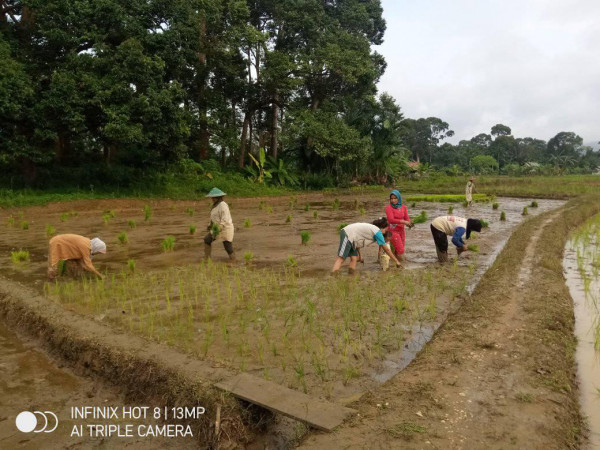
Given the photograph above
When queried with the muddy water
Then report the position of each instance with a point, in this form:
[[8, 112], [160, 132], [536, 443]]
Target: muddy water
[[587, 312], [31, 381]]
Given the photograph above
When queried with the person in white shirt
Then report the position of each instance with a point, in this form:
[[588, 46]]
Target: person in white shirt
[[454, 226], [355, 236], [221, 225]]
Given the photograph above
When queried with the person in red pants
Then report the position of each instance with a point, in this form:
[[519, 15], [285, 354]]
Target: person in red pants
[[397, 216]]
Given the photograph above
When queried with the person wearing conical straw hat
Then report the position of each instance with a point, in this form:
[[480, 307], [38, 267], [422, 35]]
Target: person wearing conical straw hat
[[469, 191], [72, 247], [221, 224]]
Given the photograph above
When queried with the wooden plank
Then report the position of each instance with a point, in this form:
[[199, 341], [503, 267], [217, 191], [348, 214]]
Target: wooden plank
[[317, 413]]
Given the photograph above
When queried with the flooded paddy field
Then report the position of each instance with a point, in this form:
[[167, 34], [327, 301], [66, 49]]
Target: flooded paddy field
[[276, 313]]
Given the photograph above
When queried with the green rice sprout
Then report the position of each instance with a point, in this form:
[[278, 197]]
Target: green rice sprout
[[341, 226], [147, 213], [356, 204], [484, 223], [247, 223], [473, 248], [503, 216], [336, 204], [50, 231], [64, 216], [131, 223], [421, 218], [291, 261], [131, 265], [525, 211], [413, 205], [19, 256], [192, 229], [62, 267], [248, 257], [215, 230], [450, 209], [288, 219], [24, 225], [10, 221], [315, 214], [261, 205], [362, 211], [307, 207], [168, 243], [122, 237], [269, 209], [495, 205], [190, 211], [305, 237], [534, 204]]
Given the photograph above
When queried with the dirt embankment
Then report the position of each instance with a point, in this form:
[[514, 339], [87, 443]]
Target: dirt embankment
[[500, 373]]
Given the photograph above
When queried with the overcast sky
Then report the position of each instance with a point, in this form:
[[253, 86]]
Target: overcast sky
[[533, 65]]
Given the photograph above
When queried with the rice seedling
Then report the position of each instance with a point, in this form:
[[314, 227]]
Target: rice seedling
[[484, 223], [269, 209], [168, 243], [24, 225], [190, 211], [215, 230], [503, 216], [495, 205], [356, 204], [305, 237], [341, 226], [307, 207], [192, 229], [336, 204], [64, 216], [450, 209], [10, 221], [421, 218], [248, 257], [315, 214], [261, 205], [62, 267], [131, 265], [19, 256], [525, 211], [465, 204], [131, 224], [413, 205], [362, 211], [534, 204], [288, 219], [291, 261], [147, 213], [247, 223], [293, 202], [473, 248], [122, 237], [50, 231]]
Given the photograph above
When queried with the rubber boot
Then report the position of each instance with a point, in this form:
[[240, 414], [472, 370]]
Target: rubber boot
[[207, 250]]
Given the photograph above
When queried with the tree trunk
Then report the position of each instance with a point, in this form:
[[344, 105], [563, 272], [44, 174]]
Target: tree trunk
[[61, 147], [203, 143], [275, 113], [110, 152], [244, 138]]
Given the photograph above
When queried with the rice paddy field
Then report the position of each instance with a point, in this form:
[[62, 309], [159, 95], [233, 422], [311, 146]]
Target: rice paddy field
[[276, 312]]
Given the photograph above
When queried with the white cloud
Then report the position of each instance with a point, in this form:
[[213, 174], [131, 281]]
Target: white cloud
[[529, 64]]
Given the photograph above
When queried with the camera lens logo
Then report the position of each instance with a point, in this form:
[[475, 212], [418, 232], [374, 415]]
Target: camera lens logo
[[27, 422]]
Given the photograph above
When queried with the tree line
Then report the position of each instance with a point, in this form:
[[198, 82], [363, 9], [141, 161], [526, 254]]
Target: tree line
[[101, 86]]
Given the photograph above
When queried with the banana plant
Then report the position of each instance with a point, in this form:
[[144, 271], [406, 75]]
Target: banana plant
[[260, 173]]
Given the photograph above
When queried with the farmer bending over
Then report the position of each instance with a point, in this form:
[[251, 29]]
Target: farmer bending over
[[72, 247], [221, 225], [454, 226], [357, 235]]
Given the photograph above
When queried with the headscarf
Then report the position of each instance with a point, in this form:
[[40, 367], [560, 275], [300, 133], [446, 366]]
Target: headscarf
[[397, 194], [473, 225], [97, 246]]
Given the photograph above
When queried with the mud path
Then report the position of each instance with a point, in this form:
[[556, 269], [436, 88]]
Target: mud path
[[495, 376]]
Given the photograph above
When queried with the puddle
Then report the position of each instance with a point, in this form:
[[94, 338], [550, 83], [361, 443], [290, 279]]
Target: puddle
[[580, 264]]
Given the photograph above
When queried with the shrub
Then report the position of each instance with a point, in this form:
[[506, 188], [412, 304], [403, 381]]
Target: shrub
[[305, 237], [496, 205], [122, 237], [131, 223], [50, 231], [503, 216], [421, 218], [168, 243], [20, 256], [192, 229], [484, 164]]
